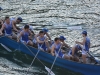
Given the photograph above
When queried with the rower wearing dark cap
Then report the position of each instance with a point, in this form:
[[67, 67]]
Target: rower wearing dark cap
[[16, 21], [62, 39], [86, 45], [45, 31]]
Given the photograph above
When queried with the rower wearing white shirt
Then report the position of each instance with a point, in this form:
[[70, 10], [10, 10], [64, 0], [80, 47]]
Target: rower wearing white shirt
[[45, 30], [30, 28], [16, 21], [7, 27], [42, 41]]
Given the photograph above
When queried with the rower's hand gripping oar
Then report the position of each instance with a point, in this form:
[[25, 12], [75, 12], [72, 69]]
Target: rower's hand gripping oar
[[39, 60], [50, 72]]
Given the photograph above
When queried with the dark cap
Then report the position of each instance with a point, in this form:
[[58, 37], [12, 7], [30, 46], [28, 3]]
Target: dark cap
[[45, 30], [62, 38], [84, 32], [19, 18]]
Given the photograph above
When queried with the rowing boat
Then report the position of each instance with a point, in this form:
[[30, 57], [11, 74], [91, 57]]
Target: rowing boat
[[85, 69]]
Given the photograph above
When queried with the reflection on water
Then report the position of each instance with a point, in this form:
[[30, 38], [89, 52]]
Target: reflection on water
[[56, 15]]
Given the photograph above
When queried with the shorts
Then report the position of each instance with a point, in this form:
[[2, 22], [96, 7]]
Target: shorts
[[8, 34], [42, 47], [60, 54], [25, 41], [34, 41], [84, 52]]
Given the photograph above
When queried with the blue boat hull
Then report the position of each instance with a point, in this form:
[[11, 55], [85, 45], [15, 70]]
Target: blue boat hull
[[85, 69]]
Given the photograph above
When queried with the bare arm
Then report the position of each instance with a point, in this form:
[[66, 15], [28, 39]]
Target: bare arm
[[83, 42], [18, 38], [66, 45], [48, 36], [39, 40], [3, 26], [52, 50], [14, 26], [30, 33], [1, 22], [73, 50], [36, 35]]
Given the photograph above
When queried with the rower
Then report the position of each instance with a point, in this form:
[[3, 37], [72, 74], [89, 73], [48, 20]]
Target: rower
[[45, 30], [24, 36], [30, 28], [55, 49], [86, 45], [16, 21], [42, 41], [62, 39], [73, 52], [7, 27]]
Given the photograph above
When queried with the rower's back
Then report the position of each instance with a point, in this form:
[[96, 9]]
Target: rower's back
[[86, 46]]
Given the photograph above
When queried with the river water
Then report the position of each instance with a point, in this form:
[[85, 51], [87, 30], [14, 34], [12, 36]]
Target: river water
[[56, 15]]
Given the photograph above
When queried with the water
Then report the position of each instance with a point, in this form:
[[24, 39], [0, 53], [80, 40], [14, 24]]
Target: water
[[56, 15]]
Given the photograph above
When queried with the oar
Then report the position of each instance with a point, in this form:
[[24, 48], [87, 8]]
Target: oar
[[39, 60], [74, 27], [34, 59], [96, 55], [69, 27], [50, 73], [96, 61], [6, 47]]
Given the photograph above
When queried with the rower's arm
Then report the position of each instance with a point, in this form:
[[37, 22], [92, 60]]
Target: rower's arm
[[2, 28], [83, 42], [31, 29], [39, 40], [48, 36], [30, 34], [1, 22], [18, 38], [66, 45], [73, 50], [52, 50], [14, 26], [33, 32]]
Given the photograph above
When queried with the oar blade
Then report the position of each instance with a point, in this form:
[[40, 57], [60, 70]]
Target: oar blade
[[49, 71], [74, 27], [6, 47]]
